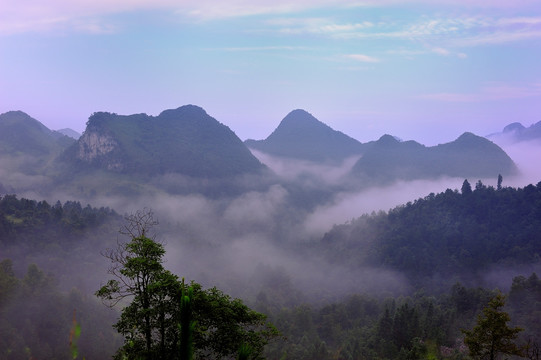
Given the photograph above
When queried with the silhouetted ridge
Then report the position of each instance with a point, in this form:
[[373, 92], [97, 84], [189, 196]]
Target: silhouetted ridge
[[516, 132], [22, 134], [516, 126], [300, 135], [185, 140], [469, 155]]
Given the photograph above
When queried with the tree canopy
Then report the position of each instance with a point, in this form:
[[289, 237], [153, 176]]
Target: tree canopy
[[151, 322], [492, 337]]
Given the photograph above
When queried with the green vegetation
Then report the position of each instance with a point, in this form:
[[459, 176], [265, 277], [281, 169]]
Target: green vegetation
[[157, 323], [433, 242], [387, 160], [185, 140], [36, 225], [450, 235], [491, 335], [420, 326]]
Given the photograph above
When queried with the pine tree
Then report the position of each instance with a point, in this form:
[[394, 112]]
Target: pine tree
[[492, 336]]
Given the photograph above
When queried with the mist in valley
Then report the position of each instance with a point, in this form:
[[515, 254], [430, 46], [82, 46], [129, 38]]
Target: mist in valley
[[257, 240]]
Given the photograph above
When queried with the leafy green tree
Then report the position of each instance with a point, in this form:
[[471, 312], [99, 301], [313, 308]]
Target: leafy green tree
[[492, 336], [139, 274], [160, 303]]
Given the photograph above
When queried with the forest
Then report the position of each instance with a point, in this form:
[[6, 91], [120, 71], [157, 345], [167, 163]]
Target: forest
[[442, 245]]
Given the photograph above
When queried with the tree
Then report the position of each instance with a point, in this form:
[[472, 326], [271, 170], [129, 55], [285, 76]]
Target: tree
[[491, 336], [164, 310], [139, 274], [466, 187], [500, 179]]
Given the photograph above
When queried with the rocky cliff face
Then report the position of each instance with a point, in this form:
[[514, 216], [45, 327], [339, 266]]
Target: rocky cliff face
[[93, 146]]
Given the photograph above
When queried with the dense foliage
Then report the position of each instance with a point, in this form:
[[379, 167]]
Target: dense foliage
[[388, 159], [433, 241], [186, 141], [420, 326], [155, 322], [38, 225], [450, 234], [492, 336]]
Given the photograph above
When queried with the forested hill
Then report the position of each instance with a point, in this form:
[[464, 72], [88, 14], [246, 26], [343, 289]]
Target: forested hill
[[37, 226], [21, 134], [453, 233], [301, 136], [186, 141], [388, 160]]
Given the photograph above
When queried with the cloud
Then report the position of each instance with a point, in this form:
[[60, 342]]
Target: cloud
[[35, 15], [321, 26], [264, 48], [348, 205], [438, 31], [526, 155], [441, 51], [362, 58]]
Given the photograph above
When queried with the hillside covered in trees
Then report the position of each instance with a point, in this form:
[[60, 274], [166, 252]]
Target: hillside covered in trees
[[452, 234], [442, 245]]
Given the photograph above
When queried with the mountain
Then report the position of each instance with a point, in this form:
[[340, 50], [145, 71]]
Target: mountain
[[21, 134], [302, 136], [468, 156], [186, 141], [454, 235], [70, 133], [516, 132]]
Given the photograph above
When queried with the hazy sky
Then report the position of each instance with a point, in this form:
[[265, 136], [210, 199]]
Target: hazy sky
[[424, 70]]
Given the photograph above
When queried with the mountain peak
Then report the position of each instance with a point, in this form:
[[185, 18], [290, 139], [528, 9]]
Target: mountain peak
[[185, 140], [516, 126], [467, 136], [300, 117], [19, 132], [301, 136], [388, 139], [20, 118], [185, 110]]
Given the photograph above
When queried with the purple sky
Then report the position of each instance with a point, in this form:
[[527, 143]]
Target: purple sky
[[422, 70]]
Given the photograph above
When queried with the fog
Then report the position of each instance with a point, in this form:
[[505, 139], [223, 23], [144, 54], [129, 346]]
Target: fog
[[297, 170], [348, 205], [526, 156], [253, 242], [256, 241]]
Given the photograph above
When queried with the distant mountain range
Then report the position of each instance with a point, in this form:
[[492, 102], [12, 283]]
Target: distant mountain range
[[516, 132], [134, 149], [302, 136]]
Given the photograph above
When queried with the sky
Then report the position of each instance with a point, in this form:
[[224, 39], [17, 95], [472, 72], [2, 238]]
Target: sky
[[426, 70]]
